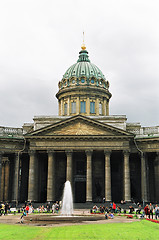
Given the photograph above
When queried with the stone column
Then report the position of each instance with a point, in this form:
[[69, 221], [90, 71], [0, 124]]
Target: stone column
[[32, 185], [59, 107], [107, 107], [108, 195], [51, 177], [2, 182], [6, 180], [89, 176], [0, 173], [69, 166], [156, 168], [127, 191], [15, 178], [68, 106], [87, 106], [104, 107], [62, 107], [78, 106], [143, 178], [97, 106]]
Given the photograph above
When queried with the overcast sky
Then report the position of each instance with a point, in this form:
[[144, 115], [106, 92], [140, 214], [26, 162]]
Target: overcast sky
[[40, 39]]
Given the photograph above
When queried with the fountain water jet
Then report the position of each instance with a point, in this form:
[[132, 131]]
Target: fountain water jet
[[67, 201]]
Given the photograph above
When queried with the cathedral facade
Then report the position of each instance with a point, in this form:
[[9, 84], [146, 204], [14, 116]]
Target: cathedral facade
[[100, 154]]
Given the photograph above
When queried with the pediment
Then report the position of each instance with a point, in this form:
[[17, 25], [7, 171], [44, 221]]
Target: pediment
[[79, 125], [80, 128]]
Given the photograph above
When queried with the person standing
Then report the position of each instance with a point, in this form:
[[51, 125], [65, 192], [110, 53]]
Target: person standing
[[147, 210], [156, 211], [151, 208], [114, 207]]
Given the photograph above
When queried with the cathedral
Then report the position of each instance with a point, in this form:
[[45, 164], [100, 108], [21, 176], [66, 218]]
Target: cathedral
[[102, 155]]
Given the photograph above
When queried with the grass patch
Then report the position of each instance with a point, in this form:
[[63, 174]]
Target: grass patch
[[142, 230]]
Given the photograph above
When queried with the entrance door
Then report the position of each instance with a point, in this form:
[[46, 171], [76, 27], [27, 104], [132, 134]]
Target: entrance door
[[80, 192]]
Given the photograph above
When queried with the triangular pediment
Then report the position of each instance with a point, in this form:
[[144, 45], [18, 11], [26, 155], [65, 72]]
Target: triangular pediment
[[79, 125]]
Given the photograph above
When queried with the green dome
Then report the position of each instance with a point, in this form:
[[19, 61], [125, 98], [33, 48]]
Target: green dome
[[83, 67]]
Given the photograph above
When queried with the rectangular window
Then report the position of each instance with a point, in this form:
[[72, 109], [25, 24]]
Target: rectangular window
[[83, 107], [92, 107], [100, 109], [65, 109], [73, 107]]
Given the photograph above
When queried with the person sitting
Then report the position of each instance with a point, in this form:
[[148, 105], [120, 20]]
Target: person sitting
[[110, 215], [138, 210], [118, 209], [95, 208], [131, 209], [106, 209]]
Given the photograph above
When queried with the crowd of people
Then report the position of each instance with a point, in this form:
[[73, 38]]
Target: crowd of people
[[113, 208], [148, 210]]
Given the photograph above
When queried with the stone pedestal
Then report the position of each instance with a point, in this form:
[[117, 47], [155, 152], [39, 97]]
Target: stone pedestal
[[127, 191], [51, 177], [89, 177], [108, 196]]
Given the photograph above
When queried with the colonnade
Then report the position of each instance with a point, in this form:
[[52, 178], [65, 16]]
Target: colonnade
[[32, 194], [5, 169]]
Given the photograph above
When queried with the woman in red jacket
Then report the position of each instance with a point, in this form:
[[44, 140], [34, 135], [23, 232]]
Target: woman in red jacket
[[147, 210]]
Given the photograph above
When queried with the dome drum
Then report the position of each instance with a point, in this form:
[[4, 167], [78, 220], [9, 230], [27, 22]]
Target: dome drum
[[83, 89]]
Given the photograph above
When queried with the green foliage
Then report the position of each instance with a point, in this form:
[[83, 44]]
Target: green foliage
[[142, 230]]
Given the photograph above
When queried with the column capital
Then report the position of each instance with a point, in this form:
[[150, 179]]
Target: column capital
[[126, 152], [32, 152], [1, 153], [107, 152], [69, 152], [5, 161], [49, 151], [88, 152]]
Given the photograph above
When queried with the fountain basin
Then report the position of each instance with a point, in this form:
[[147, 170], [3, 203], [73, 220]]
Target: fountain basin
[[47, 219]]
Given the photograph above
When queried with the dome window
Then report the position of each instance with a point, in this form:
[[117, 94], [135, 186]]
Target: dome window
[[100, 109], [73, 81], [65, 109], [82, 80], [92, 81], [83, 107], [92, 107]]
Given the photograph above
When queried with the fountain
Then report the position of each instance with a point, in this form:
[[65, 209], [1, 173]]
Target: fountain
[[67, 200], [66, 215]]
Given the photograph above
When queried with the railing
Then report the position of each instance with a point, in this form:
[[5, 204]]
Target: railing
[[144, 130], [11, 132], [150, 130]]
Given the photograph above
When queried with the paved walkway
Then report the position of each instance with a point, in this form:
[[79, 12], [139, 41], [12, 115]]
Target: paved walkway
[[15, 219]]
